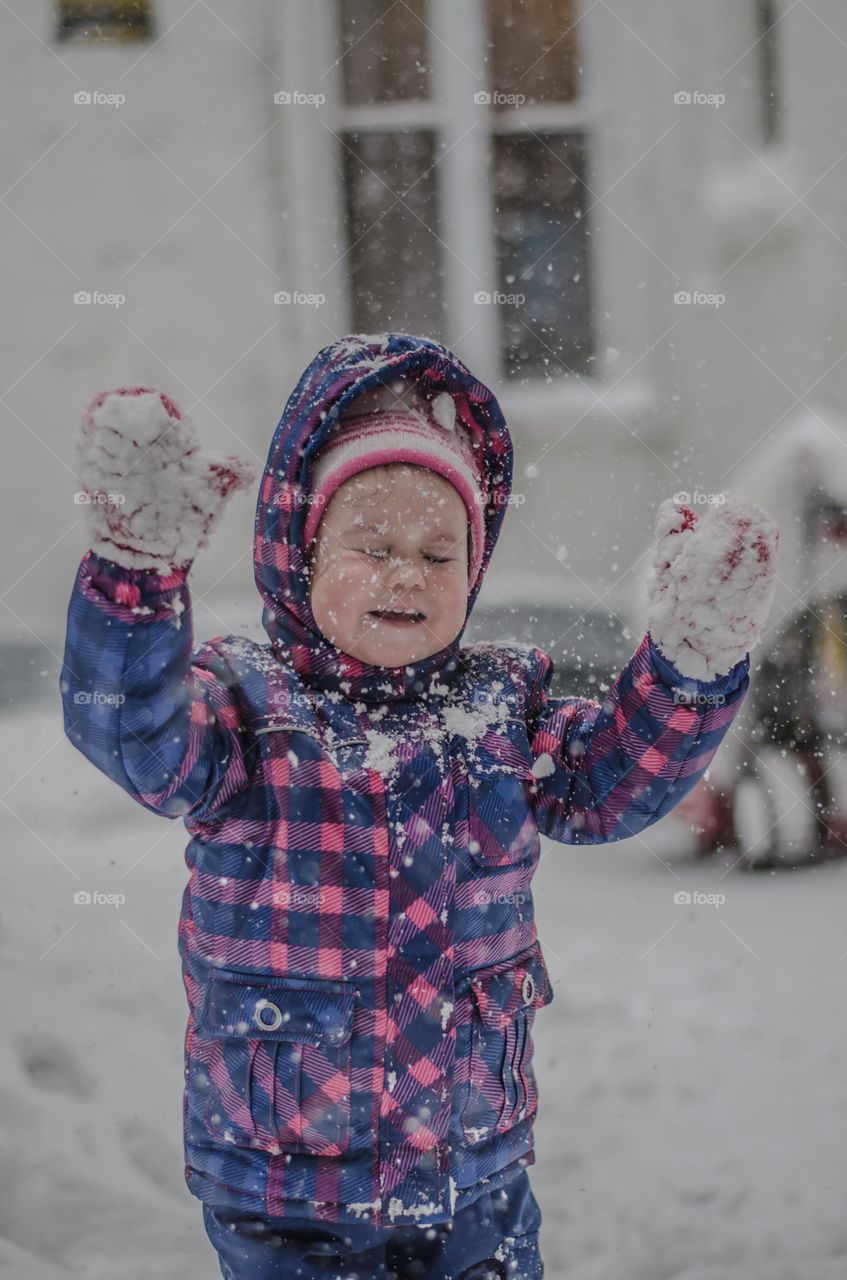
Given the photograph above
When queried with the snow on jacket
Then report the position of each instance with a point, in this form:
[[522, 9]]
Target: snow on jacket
[[357, 934]]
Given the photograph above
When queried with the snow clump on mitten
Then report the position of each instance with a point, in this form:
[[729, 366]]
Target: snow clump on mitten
[[151, 495], [712, 582]]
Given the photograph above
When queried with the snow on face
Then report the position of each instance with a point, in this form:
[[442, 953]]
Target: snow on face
[[395, 538]]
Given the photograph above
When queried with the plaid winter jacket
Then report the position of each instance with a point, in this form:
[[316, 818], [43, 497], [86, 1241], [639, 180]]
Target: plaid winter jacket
[[357, 936]]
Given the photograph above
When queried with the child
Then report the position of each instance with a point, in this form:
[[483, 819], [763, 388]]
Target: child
[[364, 798]]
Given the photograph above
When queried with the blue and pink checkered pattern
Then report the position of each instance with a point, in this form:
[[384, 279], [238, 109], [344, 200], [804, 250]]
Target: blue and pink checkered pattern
[[359, 950]]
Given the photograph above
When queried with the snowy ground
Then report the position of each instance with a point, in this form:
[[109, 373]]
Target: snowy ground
[[691, 1065]]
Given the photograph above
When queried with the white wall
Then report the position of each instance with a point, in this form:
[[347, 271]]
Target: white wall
[[107, 205]]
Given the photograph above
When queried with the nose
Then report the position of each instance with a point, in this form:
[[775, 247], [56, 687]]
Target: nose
[[403, 572]]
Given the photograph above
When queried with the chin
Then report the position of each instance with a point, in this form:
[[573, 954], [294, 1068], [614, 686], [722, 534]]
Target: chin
[[399, 659], [387, 656], [392, 650]]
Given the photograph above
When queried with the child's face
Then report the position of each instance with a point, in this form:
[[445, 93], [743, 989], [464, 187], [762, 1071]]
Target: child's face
[[393, 537]]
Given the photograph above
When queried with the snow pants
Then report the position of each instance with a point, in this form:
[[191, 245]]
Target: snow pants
[[494, 1238]]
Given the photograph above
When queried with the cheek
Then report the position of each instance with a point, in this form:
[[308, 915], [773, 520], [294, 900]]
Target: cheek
[[452, 595], [345, 575]]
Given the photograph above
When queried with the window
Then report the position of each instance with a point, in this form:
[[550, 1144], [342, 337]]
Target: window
[[97, 20], [533, 51], [384, 51], [542, 251], [767, 46], [390, 177], [466, 149], [392, 217]]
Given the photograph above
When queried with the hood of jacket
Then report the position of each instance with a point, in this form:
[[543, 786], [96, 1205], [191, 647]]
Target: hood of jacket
[[339, 373]]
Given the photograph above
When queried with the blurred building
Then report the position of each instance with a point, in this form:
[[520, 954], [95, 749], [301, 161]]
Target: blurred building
[[628, 218]]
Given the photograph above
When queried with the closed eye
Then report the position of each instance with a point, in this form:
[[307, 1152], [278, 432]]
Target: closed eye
[[383, 555]]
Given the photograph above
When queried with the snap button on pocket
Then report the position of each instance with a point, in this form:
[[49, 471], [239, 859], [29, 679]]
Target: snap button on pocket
[[264, 1007], [276, 1050], [501, 1086]]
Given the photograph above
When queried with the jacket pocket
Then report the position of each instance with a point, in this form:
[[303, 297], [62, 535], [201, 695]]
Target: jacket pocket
[[501, 1082], [277, 1060], [501, 826]]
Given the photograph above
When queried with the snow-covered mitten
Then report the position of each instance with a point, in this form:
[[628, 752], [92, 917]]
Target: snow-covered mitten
[[711, 584], [151, 495]]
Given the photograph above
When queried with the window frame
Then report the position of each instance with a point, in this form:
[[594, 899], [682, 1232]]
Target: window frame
[[464, 188]]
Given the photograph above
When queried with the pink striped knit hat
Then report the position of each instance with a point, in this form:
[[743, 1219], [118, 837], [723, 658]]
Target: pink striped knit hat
[[431, 437]]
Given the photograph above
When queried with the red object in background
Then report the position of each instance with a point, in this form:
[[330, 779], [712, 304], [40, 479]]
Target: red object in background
[[708, 812]]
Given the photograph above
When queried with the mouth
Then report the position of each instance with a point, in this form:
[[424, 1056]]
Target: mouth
[[397, 617]]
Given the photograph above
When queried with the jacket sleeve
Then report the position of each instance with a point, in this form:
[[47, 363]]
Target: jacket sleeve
[[607, 771], [163, 725]]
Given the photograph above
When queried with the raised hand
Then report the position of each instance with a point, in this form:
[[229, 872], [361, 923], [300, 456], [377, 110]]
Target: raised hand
[[153, 495], [711, 584]]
